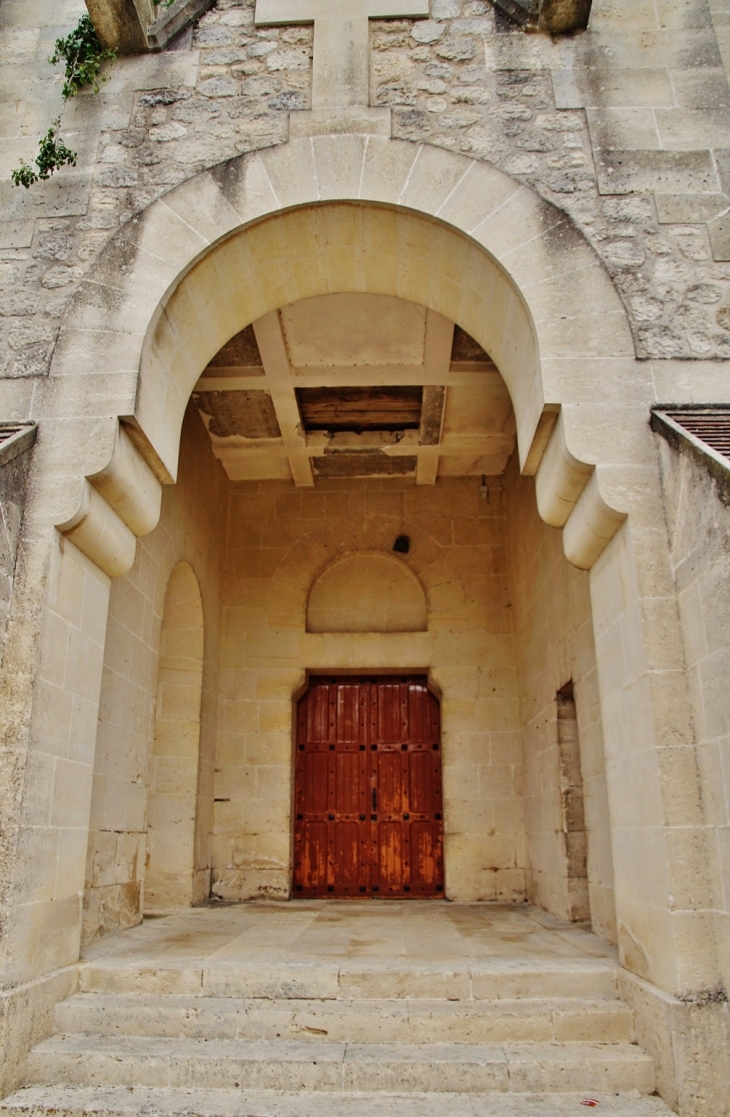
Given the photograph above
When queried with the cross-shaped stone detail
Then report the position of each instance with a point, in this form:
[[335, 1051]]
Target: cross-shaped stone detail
[[340, 65]]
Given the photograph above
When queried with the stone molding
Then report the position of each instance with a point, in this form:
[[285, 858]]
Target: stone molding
[[569, 496], [119, 503], [240, 240]]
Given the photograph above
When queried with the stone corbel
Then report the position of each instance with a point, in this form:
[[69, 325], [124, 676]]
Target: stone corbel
[[136, 26], [568, 497], [560, 479], [128, 484], [556, 17], [591, 526], [120, 503]]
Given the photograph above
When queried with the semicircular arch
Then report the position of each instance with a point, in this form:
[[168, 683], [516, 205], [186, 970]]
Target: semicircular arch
[[354, 213]]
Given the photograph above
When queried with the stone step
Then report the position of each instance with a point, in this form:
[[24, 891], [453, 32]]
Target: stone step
[[404, 1021], [487, 979], [330, 1066], [73, 1101]]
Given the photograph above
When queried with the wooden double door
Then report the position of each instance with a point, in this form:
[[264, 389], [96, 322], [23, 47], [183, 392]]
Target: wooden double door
[[368, 799]]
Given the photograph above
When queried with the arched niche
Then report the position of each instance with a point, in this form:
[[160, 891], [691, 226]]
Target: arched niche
[[173, 786], [367, 593]]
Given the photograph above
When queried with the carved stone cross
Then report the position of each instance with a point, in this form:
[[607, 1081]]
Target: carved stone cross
[[340, 67]]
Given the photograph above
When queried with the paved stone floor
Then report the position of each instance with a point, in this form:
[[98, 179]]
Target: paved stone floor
[[317, 931]]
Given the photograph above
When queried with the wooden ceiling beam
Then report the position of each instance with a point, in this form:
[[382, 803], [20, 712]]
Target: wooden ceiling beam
[[272, 347]]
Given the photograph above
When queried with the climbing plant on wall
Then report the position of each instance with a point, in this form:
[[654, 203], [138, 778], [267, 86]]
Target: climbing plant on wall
[[84, 56]]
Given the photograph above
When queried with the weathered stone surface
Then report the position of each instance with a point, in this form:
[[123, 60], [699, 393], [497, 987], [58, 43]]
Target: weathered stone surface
[[623, 129]]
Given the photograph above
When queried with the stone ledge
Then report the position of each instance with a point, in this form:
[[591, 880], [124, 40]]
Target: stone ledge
[[684, 441], [15, 438]]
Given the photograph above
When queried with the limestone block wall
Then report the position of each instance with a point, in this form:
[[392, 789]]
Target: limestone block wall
[[43, 926], [624, 127], [554, 645], [279, 541], [191, 529], [699, 522]]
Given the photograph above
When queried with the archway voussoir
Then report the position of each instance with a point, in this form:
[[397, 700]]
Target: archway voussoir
[[99, 307], [347, 272], [278, 286], [380, 233], [588, 380], [433, 178], [386, 167], [309, 277], [184, 307], [246, 186], [342, 227], [585, 335], [338, 165], [202, 205], [480, 193], [291, 171], [274, 241], [166, 236], [413, 282], [234, 267], [523, 218], [380, 273], [79, 352], [444, 294], [248, 295]]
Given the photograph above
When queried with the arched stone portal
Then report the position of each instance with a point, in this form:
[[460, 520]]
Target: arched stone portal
[[359, 213], [356, 213]]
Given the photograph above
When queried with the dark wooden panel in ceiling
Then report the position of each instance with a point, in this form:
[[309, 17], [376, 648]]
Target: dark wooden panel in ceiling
[[360, 409], [241, 352], [465, 348], [375, 464], [242, 413]]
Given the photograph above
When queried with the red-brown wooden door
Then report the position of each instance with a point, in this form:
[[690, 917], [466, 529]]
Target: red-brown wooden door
[[368, 801]]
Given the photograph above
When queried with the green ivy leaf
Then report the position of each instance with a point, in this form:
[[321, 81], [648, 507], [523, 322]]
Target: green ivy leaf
[[52, 155], [84, 55]]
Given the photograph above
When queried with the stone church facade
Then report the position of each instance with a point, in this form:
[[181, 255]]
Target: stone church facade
[[519, 244]]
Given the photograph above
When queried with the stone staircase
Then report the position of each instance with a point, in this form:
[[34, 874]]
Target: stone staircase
[[369, 1036]]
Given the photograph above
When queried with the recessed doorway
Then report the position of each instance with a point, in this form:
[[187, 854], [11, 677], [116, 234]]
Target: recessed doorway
[[368, 797]]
